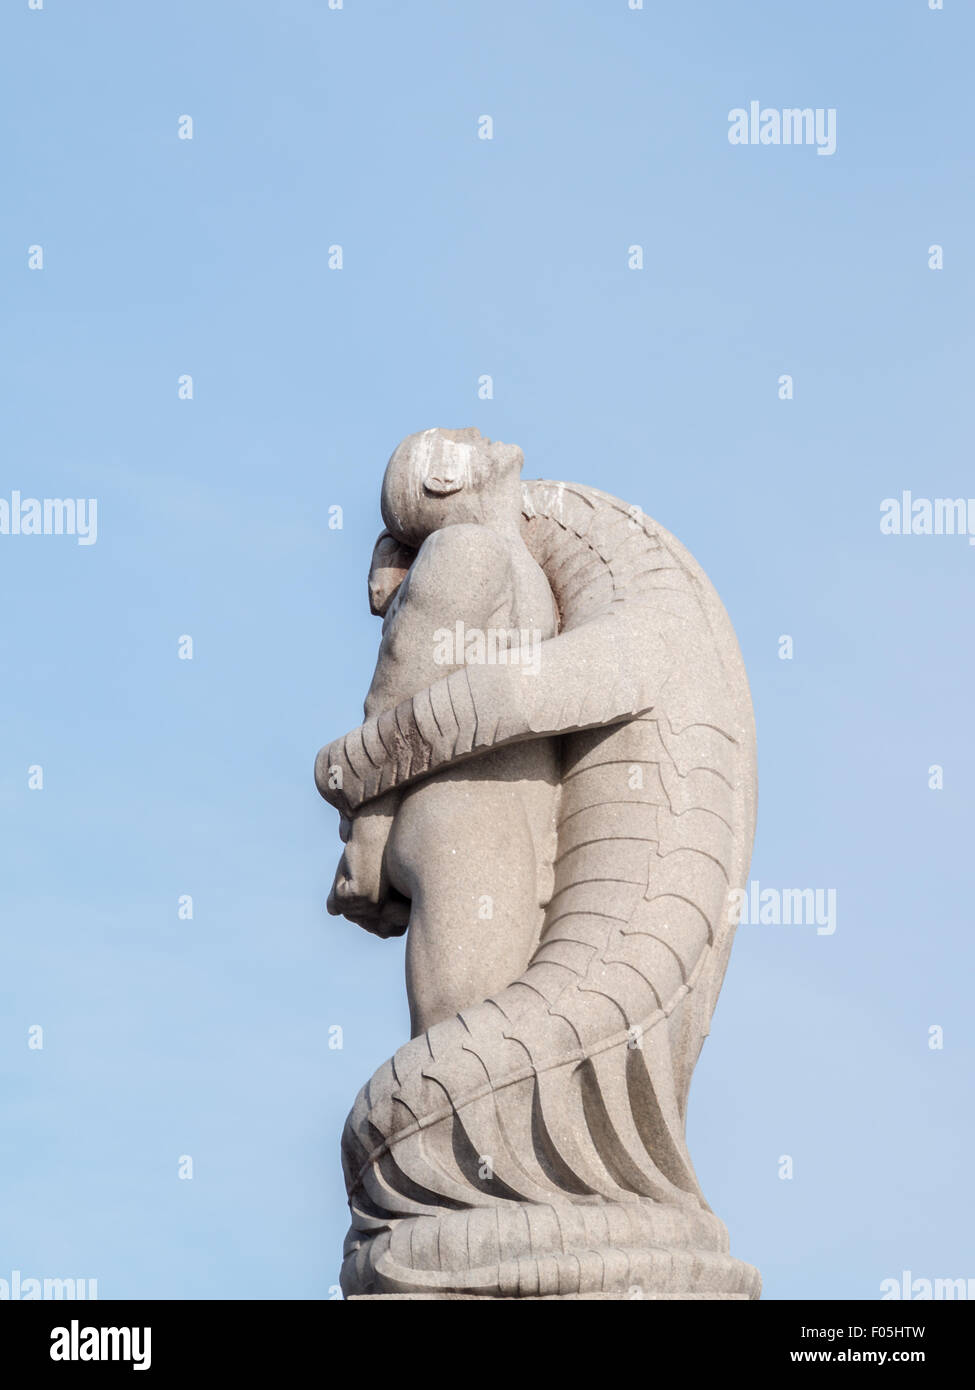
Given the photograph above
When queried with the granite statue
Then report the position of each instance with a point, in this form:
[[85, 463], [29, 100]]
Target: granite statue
[[553, 795]]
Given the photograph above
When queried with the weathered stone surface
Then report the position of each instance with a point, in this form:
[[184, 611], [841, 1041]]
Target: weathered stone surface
[[560, 835]]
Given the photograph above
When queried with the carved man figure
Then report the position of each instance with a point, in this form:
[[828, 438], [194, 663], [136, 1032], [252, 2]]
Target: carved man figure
[[463, 857]]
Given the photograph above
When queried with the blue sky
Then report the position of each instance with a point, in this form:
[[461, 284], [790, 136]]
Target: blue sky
[[464, 257]]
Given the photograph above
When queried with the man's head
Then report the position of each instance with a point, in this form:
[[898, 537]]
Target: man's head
[[442, 477]]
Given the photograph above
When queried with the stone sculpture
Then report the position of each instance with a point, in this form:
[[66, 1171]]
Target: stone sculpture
[[553, 792]]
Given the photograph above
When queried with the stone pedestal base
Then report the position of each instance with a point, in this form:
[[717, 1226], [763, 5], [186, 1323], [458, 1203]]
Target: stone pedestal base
[[693, 1264], [549, 1298]]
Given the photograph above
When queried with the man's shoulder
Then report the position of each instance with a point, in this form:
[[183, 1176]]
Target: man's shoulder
[[461, 559], [468, 543]]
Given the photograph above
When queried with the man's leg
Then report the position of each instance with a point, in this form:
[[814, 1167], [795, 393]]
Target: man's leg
[[472, 879]]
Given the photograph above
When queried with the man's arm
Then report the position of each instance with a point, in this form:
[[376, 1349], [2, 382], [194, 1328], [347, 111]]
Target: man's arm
[[361, 890]]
